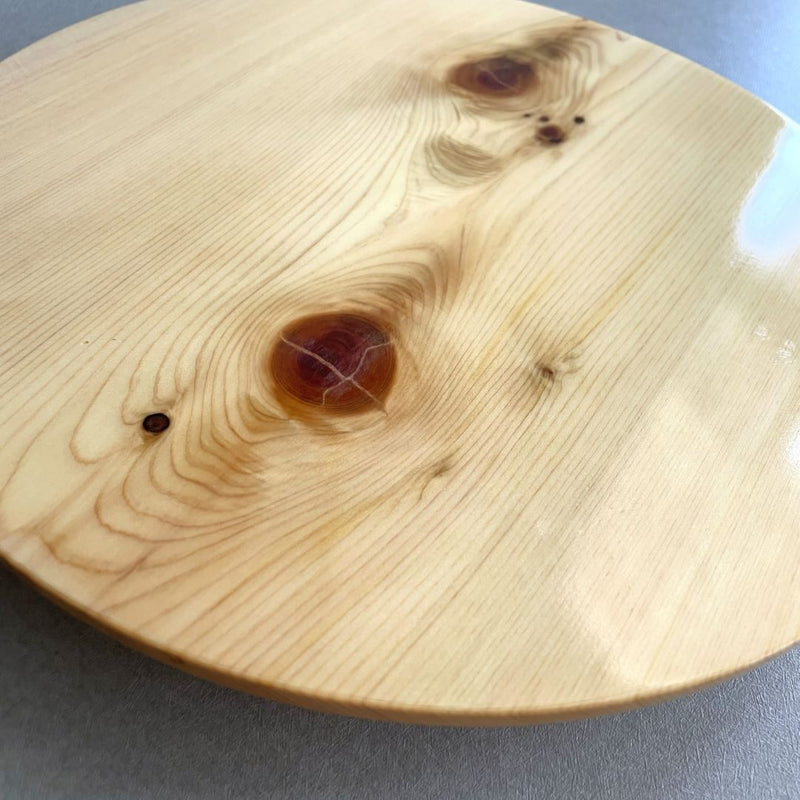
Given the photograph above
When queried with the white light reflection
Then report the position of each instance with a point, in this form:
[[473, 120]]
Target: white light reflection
[[769, 224], [785, 352], [793, 448]]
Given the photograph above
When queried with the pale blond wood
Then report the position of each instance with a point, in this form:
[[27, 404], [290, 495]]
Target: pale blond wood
[[583, 491]]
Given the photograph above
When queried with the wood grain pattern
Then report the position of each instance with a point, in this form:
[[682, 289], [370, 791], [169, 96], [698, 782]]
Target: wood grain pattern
[[580, 488]]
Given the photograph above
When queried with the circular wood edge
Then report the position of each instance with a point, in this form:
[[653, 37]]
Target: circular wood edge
[[51, 46], [387, 711]]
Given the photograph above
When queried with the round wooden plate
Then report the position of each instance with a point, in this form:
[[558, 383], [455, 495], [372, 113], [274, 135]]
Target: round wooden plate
[[423, 360]]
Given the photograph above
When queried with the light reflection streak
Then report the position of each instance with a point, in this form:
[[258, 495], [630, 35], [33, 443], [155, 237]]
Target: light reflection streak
[[769, 224]]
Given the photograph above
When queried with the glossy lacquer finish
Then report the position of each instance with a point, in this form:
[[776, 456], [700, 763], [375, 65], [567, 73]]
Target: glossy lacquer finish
[[434, 361]]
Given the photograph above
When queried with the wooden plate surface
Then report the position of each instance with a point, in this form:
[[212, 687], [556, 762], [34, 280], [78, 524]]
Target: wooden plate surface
[[424, 360]]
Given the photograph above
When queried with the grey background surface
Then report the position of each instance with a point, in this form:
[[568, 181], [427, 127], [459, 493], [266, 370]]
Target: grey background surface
[[83, 717]]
